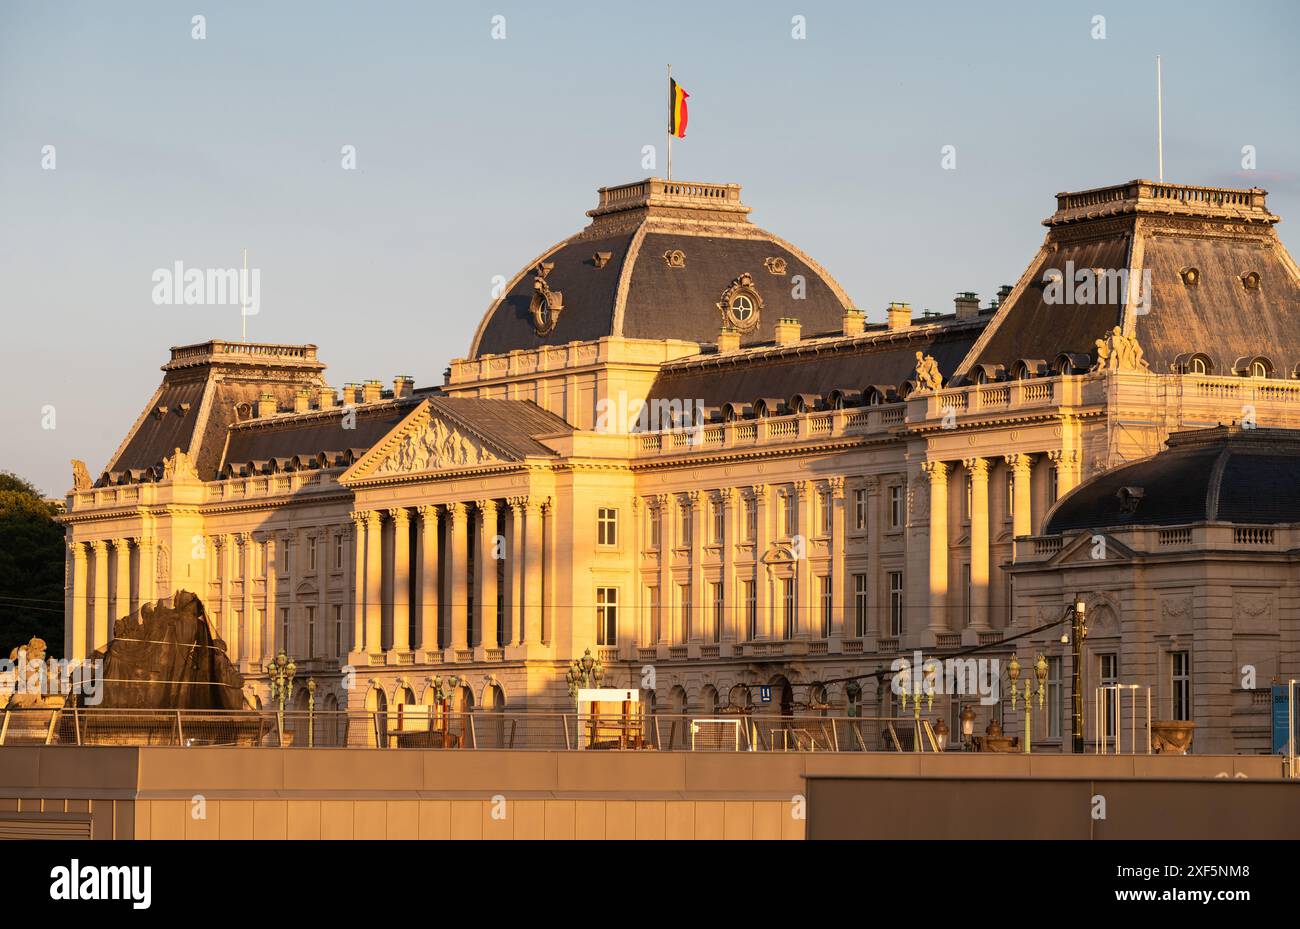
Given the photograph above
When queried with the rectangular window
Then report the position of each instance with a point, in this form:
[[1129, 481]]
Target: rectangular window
[[338, 631], [896, 507], [1051, 484], [860, 509], [716, 590], [311, 556], [684, 598], [787, 607], [654, 615], [824, 596], [1055, 704], [751, 520], [824, 511], [684, 512], [286, 557], [606, 526], [789, 524], [749, 594], [969, 504], [860, 605], [966, 586], [719, 522], [655, 522], [1107, 676], [338, 551], [1180, 688], [285, 643], [311, 631], [607, 616], [1011, 493], [895, 603]]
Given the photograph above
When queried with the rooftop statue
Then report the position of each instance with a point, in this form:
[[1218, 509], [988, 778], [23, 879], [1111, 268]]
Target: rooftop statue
[[927, 373]]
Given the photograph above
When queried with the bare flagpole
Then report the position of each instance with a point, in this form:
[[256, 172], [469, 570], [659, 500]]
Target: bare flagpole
[[671, 101], [243, 297], [1160, 122]]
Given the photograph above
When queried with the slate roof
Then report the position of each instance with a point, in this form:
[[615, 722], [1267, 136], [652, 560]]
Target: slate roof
[[511, 425], [1225, 474], [1164, 229], [635, 294], [878, 357]]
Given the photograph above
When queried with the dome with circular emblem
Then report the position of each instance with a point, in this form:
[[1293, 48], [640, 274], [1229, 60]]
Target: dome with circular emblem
[[1227, 474], [662, 260]]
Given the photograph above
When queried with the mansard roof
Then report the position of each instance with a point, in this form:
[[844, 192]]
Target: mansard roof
[[653, 264], [1224, 474], [1221, 281]]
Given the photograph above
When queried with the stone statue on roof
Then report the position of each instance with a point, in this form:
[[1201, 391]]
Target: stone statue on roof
[[80, 475], [927, 373], [1119, 352]]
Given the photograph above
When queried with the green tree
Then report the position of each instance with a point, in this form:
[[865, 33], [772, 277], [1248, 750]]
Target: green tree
[[31, 567]]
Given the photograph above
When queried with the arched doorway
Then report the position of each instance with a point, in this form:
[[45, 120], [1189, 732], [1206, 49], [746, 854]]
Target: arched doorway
[[493, 731], [709, 700], [678, 707]]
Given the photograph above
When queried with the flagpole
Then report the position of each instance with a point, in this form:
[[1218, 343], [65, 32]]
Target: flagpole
[[243, 296], [1160, 123], [670, 122]]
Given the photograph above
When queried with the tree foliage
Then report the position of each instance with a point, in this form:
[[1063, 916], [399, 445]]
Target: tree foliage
[[31, 567]]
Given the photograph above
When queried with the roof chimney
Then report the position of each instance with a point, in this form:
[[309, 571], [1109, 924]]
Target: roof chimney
[[326, 399], [403, 385], [265, 405], [301, 400], [728, 340], [899, 315], [1003, 292], [967, 304], [787, 330], [371, 391], [855, 321]]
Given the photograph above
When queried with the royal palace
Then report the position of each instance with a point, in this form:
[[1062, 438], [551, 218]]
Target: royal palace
[[676, 442]]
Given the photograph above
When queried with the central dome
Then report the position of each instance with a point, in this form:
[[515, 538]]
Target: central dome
[[662, 260]]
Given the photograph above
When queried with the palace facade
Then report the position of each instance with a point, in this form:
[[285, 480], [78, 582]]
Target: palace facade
[[810, 497]]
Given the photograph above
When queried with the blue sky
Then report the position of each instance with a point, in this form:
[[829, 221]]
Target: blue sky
[[474, 154]]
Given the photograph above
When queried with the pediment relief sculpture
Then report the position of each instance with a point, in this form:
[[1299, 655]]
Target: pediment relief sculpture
[[434, 446]]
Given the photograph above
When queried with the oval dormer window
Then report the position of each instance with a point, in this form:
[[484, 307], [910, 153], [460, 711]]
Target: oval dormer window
[[742, 309]]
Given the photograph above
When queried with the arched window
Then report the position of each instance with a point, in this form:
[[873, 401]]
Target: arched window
[[1259, 368], [1198, 365]]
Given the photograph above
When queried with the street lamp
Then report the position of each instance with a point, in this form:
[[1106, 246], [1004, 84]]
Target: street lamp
[[311, 712], [928, 670], [584, 672], [1040, 672], [967, 725], [941, 733], [1080, 629], [281, 673]]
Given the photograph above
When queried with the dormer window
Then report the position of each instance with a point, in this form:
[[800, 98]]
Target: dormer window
[[1198, 365], [1259, 368], [741, 309]]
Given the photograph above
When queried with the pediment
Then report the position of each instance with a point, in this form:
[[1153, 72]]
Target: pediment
[[1092, 548], [425, 443]]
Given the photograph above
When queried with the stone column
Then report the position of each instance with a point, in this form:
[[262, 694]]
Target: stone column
[[270, 615], [1067, 463], [730, 631], [663, 629], [937, 472], [532, 572], [224, 544], [457, 554], [806, 612], [252, 632], [401, 579], [515, 612], [763, 620], [1022, 507], [99, 627], [374, 611], [122, 548], [694, 620], [429, 586], [839, 524], [358, 581], [979, 542], [486, 562], [81, 610], [877, 618], [146, 568]]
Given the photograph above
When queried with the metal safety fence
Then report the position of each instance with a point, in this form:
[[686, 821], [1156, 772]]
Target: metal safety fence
[[424, 727]]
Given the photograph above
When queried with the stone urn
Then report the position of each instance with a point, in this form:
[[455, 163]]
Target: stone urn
[[995, 741], [1172, 736]]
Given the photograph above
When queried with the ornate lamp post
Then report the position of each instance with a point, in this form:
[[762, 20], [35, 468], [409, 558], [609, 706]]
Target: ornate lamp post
[[1040, 672], [584, 672], [311, 712], [281, 673], [927, 690], [967, 725], [1080, 629]]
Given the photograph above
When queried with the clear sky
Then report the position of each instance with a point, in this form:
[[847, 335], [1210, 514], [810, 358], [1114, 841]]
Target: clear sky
[[475, 154]]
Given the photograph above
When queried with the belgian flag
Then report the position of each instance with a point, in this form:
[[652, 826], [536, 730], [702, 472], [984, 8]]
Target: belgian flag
[[676, 109]]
